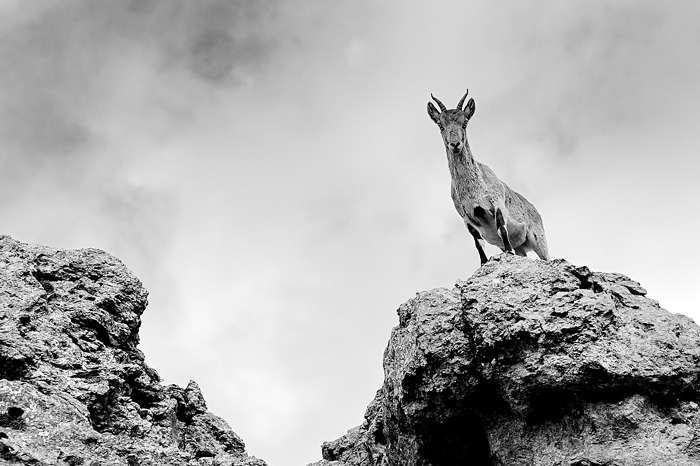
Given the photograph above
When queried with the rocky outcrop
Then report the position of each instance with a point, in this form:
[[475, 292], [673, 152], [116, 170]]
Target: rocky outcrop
[[533, 363], [74, 387]]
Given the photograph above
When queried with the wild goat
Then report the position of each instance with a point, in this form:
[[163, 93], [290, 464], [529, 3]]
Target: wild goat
[[490, 209]]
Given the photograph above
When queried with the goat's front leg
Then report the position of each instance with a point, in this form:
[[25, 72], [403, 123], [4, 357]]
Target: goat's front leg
[[479, 241], [502, 231]]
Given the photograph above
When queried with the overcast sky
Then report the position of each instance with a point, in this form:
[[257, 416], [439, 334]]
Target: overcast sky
[[270, 173]]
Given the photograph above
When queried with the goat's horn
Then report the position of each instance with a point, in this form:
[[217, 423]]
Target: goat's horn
[[440, 104], [459, 105]]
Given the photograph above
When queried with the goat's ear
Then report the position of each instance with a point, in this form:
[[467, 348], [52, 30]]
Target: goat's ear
[[470, 108], [433, 112]]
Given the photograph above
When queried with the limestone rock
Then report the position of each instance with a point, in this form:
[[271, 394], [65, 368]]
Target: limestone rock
[[533, 363], [74, 387]]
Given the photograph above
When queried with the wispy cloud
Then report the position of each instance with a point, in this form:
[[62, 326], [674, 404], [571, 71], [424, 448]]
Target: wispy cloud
[[602, 63], [91, 92], [69, 64]]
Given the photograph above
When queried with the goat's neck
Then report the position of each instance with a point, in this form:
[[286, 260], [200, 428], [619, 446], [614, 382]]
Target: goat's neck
[[463, 168]]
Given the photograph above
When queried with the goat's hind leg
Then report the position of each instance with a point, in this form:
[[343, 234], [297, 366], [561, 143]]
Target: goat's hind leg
[[539, 245], [479, 241]]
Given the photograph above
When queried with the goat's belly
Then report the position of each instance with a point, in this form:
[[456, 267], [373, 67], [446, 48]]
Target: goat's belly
[[491, 236]]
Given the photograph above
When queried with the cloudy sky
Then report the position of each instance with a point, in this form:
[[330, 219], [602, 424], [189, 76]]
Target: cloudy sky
[[269, 171]]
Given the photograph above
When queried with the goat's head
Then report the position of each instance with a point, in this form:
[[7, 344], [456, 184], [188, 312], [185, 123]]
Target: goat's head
[[452, 123]]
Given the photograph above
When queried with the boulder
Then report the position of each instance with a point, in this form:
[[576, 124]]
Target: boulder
[[74, 387], [533, 362]]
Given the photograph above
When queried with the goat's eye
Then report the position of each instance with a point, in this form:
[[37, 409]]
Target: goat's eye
[[442, 128]]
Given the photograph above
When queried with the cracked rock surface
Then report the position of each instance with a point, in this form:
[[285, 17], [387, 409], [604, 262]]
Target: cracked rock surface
[[533, 363], [74, 387]]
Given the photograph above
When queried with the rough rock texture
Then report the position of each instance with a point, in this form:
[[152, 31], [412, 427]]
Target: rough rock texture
[[74, 388], [533, 363]]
